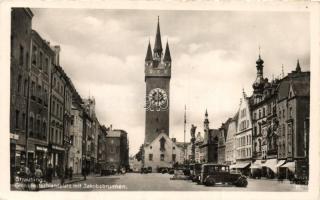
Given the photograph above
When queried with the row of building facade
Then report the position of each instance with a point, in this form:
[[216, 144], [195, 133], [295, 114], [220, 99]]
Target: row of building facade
[[50, 123], [268, 136]]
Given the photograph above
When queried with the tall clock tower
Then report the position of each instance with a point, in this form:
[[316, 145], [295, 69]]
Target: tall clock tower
[[157, 79]]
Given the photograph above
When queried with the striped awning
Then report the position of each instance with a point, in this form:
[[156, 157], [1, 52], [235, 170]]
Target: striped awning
[[271, 164], [280, 162], [290, 165], [240, 165], [256, 165]]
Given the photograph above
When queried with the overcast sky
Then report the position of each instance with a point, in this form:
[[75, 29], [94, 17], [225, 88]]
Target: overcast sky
[[213, 58]]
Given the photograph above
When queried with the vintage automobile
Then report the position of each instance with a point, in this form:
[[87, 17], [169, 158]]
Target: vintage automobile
[[215, 173]]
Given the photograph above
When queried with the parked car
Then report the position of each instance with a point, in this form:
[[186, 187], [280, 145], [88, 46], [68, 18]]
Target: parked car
[[144, 170], [215, 173], [164, 170]]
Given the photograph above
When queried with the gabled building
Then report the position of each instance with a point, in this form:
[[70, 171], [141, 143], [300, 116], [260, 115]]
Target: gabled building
[[117, 145], [230, 149], [209, 147], [264, 123], [243, 137], [198, 153], [223, 131], [293, 107], [163, 152]]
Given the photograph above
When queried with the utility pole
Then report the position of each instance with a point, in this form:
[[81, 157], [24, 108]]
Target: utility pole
[[184, 132]]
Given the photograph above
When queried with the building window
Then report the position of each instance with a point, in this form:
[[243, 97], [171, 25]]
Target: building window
[[23, 120], [150, 157], [31, 125], [25, 87], [17, 119], [290, 112], [40, 60], [150, 147], [280, 114], [174, 157], [27, 60], [259, 114], [46, 65], [161, 157], [44, 130], [162, 144], [19, 83], [39, 92], [34, 55], [21, 55], [32, 89], [38, 128]]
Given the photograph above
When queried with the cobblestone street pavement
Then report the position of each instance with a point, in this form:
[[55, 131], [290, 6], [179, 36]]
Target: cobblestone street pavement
[[162, 182]]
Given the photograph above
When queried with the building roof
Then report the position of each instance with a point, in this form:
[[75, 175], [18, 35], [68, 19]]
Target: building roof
[[300, 82], [301, 88]]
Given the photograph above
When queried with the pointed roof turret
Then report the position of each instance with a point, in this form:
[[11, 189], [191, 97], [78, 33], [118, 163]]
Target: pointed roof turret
[[206, 120], [167, 55], [298, 68], [157, 43], [149, 53]]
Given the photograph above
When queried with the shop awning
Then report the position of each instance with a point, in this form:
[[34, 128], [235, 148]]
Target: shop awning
[[239, 165], [290, 165], [280, 162], [256, 165], [271, 163]]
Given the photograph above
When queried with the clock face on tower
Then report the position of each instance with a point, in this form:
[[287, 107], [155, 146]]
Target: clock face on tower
[[157, 100]]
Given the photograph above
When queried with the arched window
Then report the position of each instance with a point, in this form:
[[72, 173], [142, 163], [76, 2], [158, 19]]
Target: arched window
[[162, 144], [25, 89], [19, 83]]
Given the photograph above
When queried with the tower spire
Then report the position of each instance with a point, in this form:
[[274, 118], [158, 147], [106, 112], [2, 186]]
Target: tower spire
[[298, 68], [149, 53], [157, 50], [167, 55]]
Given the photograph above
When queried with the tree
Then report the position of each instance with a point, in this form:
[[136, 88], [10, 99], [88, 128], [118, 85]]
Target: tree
[[138, 156]]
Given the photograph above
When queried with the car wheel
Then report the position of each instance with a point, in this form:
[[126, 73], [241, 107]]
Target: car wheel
[[241, 182], [209, 182]]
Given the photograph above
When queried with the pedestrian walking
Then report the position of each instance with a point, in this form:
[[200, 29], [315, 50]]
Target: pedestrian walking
[[84, 173], [62, 175], [38, 176], [49, 173], [70, 173]]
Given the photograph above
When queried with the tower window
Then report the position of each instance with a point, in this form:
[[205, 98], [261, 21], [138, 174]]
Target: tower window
[[161, 157], [150, 157]]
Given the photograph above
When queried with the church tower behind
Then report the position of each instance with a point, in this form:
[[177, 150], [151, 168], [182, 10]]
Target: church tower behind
[[157, 79]]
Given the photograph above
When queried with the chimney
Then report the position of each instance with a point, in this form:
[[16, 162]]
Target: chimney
[[57, 50], [110, 127]]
